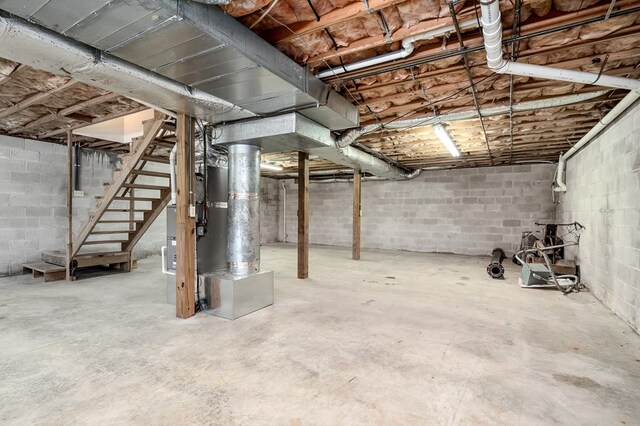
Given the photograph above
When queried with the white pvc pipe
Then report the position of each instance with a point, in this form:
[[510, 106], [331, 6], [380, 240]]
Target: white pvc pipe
[[172, 173], [284, 212], [560, 184], [407, 49], [350, 136], [492, 33]]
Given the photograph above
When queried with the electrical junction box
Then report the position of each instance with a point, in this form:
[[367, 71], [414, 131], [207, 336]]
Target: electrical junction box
[[528, 269]]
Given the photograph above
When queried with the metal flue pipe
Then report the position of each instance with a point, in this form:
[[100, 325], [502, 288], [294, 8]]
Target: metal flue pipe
[[492, 33], [243, 228]]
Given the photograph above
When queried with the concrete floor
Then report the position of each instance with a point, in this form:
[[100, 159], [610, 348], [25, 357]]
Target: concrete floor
[[397, 338]]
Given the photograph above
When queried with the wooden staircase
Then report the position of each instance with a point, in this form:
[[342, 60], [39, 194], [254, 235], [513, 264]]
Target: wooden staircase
[[121, 216]]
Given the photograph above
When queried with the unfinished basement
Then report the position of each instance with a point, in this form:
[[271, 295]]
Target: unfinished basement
[[320, 212]]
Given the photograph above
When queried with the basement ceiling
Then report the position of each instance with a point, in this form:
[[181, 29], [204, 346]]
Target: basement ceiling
[[322, 34]]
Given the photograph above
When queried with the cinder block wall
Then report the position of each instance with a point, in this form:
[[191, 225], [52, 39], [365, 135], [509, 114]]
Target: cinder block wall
[[33, 212], [467, 211], [603, 193]]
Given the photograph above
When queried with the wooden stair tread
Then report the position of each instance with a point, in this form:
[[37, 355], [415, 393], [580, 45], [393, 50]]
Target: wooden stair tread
[[127, 210], [120, 221], [155, 159], [44, 267], [86, 259], [151, 173], [119, 231], [48, 271], [99, 197], [105, 242], [144, 186]]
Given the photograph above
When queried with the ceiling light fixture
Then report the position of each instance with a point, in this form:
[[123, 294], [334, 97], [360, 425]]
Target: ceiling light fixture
[[270, 167], [446, 140]]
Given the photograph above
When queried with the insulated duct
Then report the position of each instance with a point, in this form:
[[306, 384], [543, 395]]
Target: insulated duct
[[492, 33], [560, 185], [35, 46], [348, 137]]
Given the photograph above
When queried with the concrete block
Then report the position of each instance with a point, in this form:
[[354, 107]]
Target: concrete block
[[23, 177], [24, 200], [11, 142], [12, 165], [21, 154]]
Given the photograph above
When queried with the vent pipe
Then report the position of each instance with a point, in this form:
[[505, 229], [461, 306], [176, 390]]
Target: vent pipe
[[492, 32], [407, 49], [560, 185]]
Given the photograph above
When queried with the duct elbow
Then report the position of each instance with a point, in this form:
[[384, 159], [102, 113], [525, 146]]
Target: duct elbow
[[348, 138], [412, 175], [559, 184]]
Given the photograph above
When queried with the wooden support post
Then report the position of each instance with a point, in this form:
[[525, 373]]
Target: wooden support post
[[185, 224], [69, 258], [357, 214], [303, 215]]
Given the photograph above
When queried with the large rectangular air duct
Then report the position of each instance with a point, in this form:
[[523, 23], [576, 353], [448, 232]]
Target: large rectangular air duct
[[196, 45]]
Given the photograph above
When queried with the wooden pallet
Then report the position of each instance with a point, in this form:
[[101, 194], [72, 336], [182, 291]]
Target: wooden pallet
[[47, 270]]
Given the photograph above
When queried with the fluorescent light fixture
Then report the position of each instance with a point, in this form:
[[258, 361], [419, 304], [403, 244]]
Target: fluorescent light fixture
[[270, 167], [446, 140]]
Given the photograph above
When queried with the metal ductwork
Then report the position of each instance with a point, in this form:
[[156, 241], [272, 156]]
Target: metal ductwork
[[492, 33], [294, 132], [195, 49], [243, 230], [29, 44], [348, 137]]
